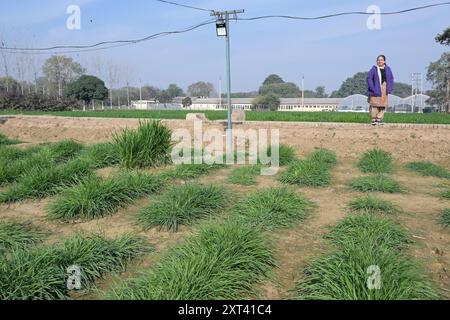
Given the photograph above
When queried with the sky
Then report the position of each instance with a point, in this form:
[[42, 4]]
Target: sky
[[326, 51]]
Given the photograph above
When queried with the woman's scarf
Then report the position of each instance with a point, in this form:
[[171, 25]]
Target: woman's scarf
[[379, 74]]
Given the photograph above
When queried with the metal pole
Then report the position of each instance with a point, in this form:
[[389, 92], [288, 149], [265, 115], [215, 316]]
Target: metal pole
[[412, 92], [303, 92], [128, 95], [230, 123], [220, 93], [421, 91]]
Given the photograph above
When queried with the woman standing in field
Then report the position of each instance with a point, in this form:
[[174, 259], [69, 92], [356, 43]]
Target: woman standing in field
[[381, 83]]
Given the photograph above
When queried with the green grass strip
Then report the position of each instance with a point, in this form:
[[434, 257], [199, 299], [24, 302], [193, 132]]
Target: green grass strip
[[149, 145], [14, 164], [286, 154], [349, 117], [314, 171], [101, 155], [223, 262], [306, 174], [377, 183], [94, 198], [445, 217], [369, 229], [365, 244], [445, 194], [372, 204], [5, 141], [191, 171], [245, 176], [273, 208], [18, 235], [42, 182], [344, 275], [11, 153], [323, 157], [41, 273], [181, 205], [376, 161], [429, 169]]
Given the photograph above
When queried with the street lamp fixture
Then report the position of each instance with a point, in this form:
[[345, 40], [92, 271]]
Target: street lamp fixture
[[221, 28]]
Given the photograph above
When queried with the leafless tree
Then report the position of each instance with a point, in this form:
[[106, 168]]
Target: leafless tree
[[113, 75], [128, 73], [5, 62]]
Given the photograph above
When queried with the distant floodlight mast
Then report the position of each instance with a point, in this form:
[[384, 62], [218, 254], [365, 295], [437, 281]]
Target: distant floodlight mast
[[223, 30]]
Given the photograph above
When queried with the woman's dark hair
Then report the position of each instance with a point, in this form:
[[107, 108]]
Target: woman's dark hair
[[382, 56]]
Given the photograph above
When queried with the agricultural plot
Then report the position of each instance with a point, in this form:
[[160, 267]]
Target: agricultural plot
[[136, 226]]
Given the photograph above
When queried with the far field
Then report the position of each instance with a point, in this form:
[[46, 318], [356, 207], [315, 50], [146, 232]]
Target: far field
[[350, 117]]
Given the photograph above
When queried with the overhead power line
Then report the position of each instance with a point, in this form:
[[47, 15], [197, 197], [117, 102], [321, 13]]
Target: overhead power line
[[345, 13], [184, 5], [113, 44], [118, 43]]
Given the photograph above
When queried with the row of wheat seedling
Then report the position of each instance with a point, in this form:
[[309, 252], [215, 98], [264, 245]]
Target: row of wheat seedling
[[379, 164], [368, 259], [225, 259], [314, 171], [94, 197], [39, 172], [246, 175], [429, 169], [5, 141], [16, 162], [34, 271]]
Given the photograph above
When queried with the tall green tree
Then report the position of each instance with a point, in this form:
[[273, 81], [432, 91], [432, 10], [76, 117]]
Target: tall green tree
[[150, 92], [273, 79], [87, 88], [283, 90], [402, 90], [269, 101], [164, 97], [201, 89], [444, 37], [275, 85], [187, 102], [357, 84], [175, 91], [320, 92]]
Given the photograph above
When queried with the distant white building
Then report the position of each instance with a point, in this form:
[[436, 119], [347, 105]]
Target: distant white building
[[286, 104], [143, 104], [353, 103], [155, 105]]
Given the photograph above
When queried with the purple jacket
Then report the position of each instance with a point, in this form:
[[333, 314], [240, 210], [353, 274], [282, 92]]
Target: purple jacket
[[373, 81]]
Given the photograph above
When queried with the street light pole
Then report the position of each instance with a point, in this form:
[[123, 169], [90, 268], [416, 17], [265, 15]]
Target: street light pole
[[221, 31], [230, 123]]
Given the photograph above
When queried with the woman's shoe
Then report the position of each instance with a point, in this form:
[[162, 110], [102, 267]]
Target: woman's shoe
[[374, 122], [380, 122]]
